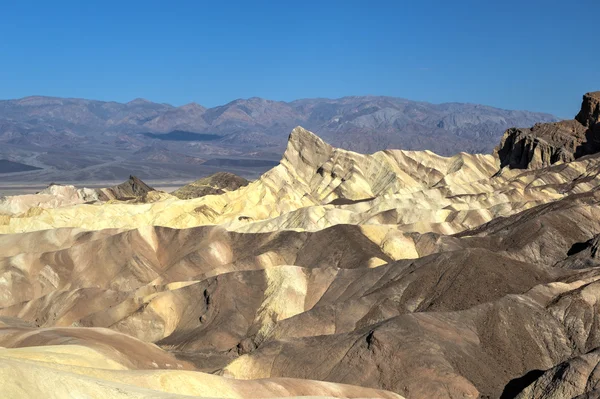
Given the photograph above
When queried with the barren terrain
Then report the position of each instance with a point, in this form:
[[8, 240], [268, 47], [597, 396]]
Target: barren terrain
[[334, 274]]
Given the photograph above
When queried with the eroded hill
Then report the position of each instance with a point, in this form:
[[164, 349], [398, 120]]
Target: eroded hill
[[334, 274]]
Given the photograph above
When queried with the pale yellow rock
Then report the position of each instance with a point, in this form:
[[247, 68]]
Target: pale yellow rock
[[52, 197], [284, 297], [78, 371], [311, 174]]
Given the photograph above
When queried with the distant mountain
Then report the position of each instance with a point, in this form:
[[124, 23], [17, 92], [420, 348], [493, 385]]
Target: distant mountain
[[159, 154], [52, 130]]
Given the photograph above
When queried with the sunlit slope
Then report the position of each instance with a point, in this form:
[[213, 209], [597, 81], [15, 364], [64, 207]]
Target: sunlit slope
[[79, 370]]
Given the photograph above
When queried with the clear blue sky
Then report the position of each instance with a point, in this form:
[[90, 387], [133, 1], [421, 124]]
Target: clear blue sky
[[526, 54]]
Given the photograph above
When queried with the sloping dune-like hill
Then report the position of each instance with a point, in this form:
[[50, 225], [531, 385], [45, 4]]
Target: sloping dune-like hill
[[336, 274]]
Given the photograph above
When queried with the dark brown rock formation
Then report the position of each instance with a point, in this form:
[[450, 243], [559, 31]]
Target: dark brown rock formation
[[547, 143], [578, 377], [131, 189], [215, 184], [590, 110]]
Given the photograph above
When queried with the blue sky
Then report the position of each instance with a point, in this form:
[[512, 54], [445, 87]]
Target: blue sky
[[527, 54]]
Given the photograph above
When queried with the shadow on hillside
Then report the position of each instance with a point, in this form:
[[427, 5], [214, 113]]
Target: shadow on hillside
[[516, 385]]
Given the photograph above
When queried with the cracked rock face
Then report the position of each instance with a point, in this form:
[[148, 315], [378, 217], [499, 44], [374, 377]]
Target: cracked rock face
[[548, 143], [589, 115], [578, 377]]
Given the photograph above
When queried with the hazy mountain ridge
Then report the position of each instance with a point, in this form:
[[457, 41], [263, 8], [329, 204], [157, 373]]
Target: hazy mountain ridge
[[252, 128]]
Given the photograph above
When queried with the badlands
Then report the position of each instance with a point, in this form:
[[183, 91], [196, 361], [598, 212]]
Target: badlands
[[335, 274]]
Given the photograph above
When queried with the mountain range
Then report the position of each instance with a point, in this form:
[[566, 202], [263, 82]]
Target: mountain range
[[86, 140]]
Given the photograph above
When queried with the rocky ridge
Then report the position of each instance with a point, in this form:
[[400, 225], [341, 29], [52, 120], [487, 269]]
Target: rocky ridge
[[218, 183], [548, 143], [131, 189], [60, 195]]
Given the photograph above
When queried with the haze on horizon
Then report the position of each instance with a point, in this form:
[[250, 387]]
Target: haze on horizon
[[509, 55]]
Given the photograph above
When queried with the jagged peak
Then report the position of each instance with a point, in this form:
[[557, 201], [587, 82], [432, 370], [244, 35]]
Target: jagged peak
[[593, 94], [133, 187], [305, 151], [589, 115], [136, 183], [301, 137], [547, 143], [133, 178]]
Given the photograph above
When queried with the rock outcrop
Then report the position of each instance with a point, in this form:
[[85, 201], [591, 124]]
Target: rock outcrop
[[133, 188], [548, 143], [218, 183], [58, 196], [589, 115], [54, 196], [578, 377]]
